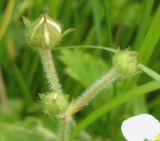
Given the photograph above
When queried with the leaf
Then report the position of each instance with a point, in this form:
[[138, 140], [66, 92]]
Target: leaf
[[97, 20], [83, 67], [146, 15], [6, 17], [68, 31], [31, 130], [151, 39]]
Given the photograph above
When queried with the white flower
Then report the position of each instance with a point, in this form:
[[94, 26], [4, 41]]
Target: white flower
[[141, 127]]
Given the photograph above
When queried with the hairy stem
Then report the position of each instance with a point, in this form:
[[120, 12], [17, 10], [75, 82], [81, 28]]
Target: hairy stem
[[91, 92], [64, 130], [49, 68]]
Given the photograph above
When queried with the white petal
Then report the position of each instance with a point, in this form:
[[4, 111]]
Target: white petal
[[141, 127], [55, 25], [36, 27], [46, 36]]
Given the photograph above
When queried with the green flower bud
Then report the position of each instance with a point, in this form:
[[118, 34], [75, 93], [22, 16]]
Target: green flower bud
[[125, 62], [53, 104], [44, 32]]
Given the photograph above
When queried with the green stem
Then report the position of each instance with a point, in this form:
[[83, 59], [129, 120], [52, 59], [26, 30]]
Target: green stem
[[49, 69], [149, 72], [109, 49], [64, 130], [91, 92]]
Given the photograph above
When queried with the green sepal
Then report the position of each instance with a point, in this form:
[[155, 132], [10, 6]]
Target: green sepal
[[125, 61], [53, 104], [26, 21]]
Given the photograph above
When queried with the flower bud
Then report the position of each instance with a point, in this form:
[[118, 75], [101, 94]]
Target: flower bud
[[53, 104], [125, 62], [44, 32]]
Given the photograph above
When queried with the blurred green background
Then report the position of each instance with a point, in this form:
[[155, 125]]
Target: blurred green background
[[110, 23]]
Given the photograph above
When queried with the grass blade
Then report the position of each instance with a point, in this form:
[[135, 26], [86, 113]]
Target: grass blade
[[108, 12], [148, 4], [6, 18], [151, 39], [96, 16], [22, 84]]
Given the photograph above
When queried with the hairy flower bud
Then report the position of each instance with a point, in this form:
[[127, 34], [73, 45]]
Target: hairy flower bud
[[53, 104], [125, 62], [44, 32]]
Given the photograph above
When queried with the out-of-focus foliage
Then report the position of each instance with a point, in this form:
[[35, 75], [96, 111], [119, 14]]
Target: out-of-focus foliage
[[112, 23], [82, 63]]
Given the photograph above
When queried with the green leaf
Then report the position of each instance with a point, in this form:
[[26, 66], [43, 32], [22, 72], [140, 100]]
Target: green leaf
[[68, 31], [97, 20], [108, 12], [145, 17], [151, 39], [31, 129], [83, 67], [6, 18]]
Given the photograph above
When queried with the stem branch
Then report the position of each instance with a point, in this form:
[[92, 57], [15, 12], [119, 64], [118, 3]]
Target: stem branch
[[91, 92]]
